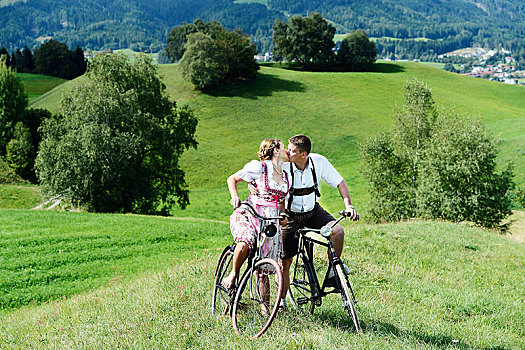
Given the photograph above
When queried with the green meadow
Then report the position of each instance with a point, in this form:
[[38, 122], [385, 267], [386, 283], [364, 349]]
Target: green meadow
[[121, 281], [337, 110], [36, 84], [72, 280]]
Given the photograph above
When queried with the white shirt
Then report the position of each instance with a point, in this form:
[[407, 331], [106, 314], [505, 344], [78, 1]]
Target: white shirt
[[304, 179]]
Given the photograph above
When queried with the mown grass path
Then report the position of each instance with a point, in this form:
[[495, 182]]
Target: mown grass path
[[420, 285]]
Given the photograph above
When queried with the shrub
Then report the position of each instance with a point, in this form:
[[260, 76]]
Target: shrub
[[434, 164]]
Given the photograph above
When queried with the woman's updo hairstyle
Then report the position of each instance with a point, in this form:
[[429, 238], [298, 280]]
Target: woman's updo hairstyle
[[267, 148]]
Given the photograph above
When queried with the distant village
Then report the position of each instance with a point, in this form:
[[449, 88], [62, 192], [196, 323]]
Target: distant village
[[481, 65]]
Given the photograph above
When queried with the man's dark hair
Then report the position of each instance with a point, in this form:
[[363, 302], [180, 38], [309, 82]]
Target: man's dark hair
[[302, 142]]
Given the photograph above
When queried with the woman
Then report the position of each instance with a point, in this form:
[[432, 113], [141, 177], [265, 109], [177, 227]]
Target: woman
[[273, 184]]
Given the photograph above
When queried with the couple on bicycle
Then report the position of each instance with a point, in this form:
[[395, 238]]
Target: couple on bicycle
[[284, 182]]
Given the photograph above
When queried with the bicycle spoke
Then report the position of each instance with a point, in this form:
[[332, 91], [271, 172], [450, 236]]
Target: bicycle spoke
[[257, 299]]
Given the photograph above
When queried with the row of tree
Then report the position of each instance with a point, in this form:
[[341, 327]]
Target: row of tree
[[52, 58], [211, 56], [309, 41]]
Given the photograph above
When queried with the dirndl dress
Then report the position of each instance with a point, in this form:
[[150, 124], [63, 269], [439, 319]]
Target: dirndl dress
[[244, 226]]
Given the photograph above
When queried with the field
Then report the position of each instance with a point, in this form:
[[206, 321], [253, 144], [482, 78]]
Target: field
[[337, 110], [94, 281], [419, 285], [36, 85]]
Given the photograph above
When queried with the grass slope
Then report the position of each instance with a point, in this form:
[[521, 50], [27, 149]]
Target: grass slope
[[420, 285], [45, 255], [36, 84], [338, 111]]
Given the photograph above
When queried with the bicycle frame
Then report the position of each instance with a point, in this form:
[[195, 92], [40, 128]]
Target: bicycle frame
[[306, 245], [256, 253]]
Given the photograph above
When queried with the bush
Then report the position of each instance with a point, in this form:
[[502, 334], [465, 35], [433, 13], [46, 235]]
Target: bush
[[117, 146], [434, 164], [458, 178]]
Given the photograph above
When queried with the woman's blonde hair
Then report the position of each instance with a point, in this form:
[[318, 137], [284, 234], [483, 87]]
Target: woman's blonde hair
[[267, 147]]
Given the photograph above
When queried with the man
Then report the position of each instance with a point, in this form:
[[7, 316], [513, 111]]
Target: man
[[306, 170]]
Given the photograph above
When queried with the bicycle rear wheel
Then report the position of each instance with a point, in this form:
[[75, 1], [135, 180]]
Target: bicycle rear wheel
[[303, 291], [221, 298], [257, 299], [348, 296]]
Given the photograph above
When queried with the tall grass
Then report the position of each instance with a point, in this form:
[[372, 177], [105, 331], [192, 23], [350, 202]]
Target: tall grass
[[420, 285]]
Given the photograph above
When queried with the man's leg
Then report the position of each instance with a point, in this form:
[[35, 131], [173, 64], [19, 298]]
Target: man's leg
[[337, 238], [287, 263]]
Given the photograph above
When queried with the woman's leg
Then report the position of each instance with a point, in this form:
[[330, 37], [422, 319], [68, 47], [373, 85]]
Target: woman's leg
[[239, 257]]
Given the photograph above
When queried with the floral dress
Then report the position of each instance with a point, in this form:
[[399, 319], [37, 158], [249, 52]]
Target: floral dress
[[244, 226]]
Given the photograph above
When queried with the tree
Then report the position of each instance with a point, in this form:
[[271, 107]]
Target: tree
[[306, 40], [27, 64], [449, 67], [356, 52], [55, 59], [178, 36], [434, 164], [210, 62], [202, 63], [20, 153], [458, 178], [117, 146], [13, 102]]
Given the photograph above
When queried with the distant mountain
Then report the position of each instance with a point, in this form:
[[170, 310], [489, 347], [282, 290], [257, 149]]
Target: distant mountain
[[410, 29]]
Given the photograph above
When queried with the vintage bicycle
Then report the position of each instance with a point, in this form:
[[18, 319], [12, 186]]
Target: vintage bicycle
[[254, 301], [305, 291]]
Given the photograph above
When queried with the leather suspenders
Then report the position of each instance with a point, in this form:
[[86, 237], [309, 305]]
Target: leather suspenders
[[303, 191]]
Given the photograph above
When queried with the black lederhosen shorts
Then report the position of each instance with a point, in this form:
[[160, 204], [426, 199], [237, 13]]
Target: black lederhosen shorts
[[316, 218]]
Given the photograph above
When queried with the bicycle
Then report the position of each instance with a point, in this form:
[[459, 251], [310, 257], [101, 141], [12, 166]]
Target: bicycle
[[305, 292], [253, 302]]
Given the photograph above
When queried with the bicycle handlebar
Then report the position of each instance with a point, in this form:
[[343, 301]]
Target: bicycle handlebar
[[251, 209]]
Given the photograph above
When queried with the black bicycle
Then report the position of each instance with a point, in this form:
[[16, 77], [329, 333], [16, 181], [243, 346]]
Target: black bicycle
[[305, 291], [254, 301]]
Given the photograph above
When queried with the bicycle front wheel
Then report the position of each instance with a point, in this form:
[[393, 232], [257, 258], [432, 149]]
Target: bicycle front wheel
[[257, 299], [303, 291], [221, 298], [347, 296]]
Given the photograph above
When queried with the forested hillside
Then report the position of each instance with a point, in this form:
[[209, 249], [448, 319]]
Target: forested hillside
[[410, 29], [136, 24]]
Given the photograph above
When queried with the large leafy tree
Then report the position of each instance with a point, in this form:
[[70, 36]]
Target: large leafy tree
[[55, 59], [178, 36], [356, 51], [13, 103], [305, 40], [118, 143], [435, 164], [227, 57]]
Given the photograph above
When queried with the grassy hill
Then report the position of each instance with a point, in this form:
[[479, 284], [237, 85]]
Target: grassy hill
[[337, 110], [36, 84], [419, 285]]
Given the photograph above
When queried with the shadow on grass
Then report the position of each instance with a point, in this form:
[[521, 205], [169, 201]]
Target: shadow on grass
[[387, 329], [381, 67], [264, 85]]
